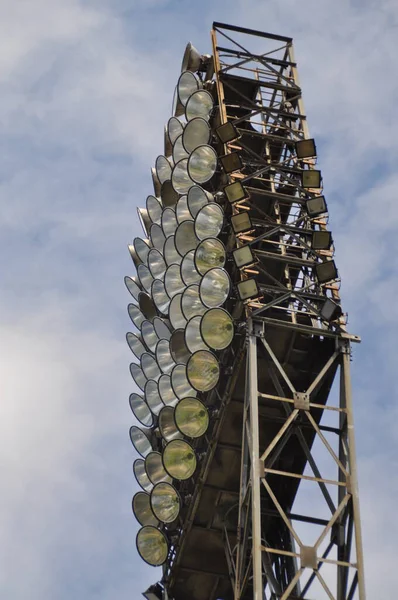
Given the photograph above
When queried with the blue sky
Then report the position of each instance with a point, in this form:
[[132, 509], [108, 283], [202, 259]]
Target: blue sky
[[85, 90]]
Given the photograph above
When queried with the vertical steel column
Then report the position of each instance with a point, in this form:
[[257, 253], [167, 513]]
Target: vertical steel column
[[252, 390], [347, 399]]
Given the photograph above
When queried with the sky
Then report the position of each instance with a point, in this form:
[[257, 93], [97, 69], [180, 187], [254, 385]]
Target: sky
[[85, 90]]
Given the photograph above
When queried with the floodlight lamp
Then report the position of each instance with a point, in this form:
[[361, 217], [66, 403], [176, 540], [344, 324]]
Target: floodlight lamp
[[162, 328], [241, 222], [231, 162], [164, 358], [133, 286], [203, 371], [191, 303], [227, 132], [171, 256], [144, 219], [167, 427], [156, 264], [321, 240], [152, 545], [243, 256], [210, 253], [191, 417], [141, 440], [145, 277], [311, 178], [235, 192], [177, 109], [196, 133], [179, 151], [141, 248], [142, 510], [156, 183], [331, 311], [140, 410], [154, 209], [193, 337], [173, 282], [149, 335], [202, 164], [163, 168], [165, 502], [182, 210], [169, 221], [209, 221], [192, 59], [189, 274], [217, 328], [138, 376], [248, 289], [152, 397], [166, 390], [306, 148], [149, 366], [215, 287], [180, 384], [326, 271], [179, 460], [188, 83], [160, 297], [141, 475], [155, 470], [157, 237], [135, 344], [174, 129], [200, 104], [178, 348], [185, 237], [176, 316], [180, 179], [316, 206], [197, 198], [135, 315], [154, 592], [147, 307]]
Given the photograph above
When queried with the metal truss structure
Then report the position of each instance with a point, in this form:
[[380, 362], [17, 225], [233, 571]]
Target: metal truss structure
[[274, 511]]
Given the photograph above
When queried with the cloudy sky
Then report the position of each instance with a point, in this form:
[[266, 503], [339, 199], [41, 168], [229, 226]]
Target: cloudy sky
[[85, 89]]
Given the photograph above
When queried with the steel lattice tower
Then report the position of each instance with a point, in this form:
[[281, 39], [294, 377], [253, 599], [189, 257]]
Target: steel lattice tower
[[244, 531]]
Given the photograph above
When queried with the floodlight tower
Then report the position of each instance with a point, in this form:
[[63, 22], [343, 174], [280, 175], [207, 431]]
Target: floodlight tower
[[241, 336]]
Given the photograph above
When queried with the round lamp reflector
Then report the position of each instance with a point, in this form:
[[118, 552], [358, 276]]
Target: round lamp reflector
[[155, 470], [203, 371], [209, 221], [173, 282], [210, 253], [178, 349], [133, 287], [191, 304], [152, 546], [217, 328], [180, 179], [142, 476], [156, 264], [202, 164], [163, 168], [169, 222], [161, 328], [141, 249], [174, 129], [191, 417], [215, 287], [163, 357], [188, 83], [172, 257], [147, 307], [200, 104], [185, 237], [157, 237], [196, 133], [135, 315], [154, 209], [140, 410], [179, 460], [135, 344], [189, 274], [176, 316], [152, 397], [193, 337], [149, 366], [165, 502], [142, 509], [180, 384], [149, 335], [138, 376], [182, 211], [160, 296], [145, 277], [179, 151], [168, 428], [197, 198], [140, 440], [166, 391]]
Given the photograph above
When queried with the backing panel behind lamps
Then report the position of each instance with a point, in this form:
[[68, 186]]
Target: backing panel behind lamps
[[152, 545]]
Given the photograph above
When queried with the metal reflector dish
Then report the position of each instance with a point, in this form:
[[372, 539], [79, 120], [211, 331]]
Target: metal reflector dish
[[180, 384], [210, 253], [214, 288], [157, 237], [192, 59], [140, 439], [145, 277], [202, 164], [152, 546], [162, 329], [188, 83], [193, 337], [179, 151], [180, 179], [135, 315], [203, 371], [209, 221], [182, 211], [146, 305], [196, 133], [163, 357], [138, 375], [155, 470], [197, 198], [167, 427], [168, 194], [200, 104], [149, 335], [144, 219], [189, 274], [178, 349], [149, 366], [179, 460], [156, 183], [163, 168], [185, 237], [166, 391], [134, 256], [152, 397], [174, 129], [160, 296], [176, 317], [133, 286], [191, 304], [141, 475], [217, 328], [154, 209], [140, 410], [135, 344], [156, 264], [142, 509], [141, 248], [165, 502], [173, 282], [169, 222], [171, 256], [191, 417]]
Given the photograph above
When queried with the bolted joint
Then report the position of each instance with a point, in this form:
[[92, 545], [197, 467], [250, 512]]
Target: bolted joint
[[301, 401]]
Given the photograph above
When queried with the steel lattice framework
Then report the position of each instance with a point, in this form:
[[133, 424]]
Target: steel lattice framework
[[273, 509]]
